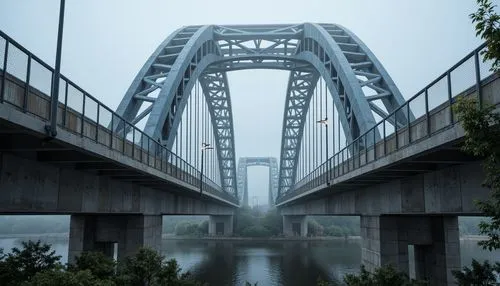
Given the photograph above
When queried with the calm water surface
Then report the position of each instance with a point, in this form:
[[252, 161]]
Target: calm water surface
[[289, 263]]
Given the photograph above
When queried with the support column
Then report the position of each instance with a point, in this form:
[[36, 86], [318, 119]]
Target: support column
[[436, 261], [295, 225], [385, 241], [101, 232], [220, 225]]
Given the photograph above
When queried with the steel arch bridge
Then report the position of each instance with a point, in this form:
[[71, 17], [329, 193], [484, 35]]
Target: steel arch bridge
[[203, 55], [244, 163]]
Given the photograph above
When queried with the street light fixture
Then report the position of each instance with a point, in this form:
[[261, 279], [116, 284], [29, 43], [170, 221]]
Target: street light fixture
[[325, 122], [204, 146]]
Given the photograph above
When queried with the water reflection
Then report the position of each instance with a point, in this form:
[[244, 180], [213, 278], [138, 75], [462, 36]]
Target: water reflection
[[287, 263], [268, 263]]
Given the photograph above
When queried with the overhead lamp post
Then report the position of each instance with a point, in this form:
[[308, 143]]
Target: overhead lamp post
[[52, 127], [325, 122], [204, 146]]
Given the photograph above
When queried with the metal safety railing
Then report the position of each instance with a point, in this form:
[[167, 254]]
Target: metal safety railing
[[25, 83], [428, 112]]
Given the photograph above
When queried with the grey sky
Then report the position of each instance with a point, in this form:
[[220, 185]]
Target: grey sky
[[107, 42]]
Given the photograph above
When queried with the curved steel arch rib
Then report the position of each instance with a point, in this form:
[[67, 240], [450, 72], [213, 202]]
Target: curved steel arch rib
[[205, 53]]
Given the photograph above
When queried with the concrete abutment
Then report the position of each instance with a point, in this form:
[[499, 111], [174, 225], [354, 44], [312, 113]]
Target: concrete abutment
[[385, 240]]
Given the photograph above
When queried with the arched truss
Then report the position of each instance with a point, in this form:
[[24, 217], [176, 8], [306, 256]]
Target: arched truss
[[354, 77], [270, 162]]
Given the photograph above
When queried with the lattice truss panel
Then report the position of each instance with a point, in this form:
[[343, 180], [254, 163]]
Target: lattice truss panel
[[361, 89]]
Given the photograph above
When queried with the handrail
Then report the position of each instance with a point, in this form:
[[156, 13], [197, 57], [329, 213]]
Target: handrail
[[157, 148]]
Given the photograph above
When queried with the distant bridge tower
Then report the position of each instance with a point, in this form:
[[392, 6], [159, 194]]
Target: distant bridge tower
[[270, 162]]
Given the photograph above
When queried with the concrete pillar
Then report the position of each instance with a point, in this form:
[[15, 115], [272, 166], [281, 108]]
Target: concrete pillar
[[436, 261], [295, 225], [220, 225], [101, 232], [385, 240]]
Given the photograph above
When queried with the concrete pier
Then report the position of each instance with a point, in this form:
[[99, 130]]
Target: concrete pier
[[385, 240], [295, 225], [220, 225], [101, 232]]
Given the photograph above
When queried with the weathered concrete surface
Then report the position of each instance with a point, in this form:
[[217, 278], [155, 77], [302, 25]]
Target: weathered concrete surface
[[29, 186], [220, 225], [385, 240], [99, 233], [450, 190], [295, 225]]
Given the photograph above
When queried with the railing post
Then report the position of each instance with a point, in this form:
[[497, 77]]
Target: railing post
[[65, 104], [385, 149], [366, 148], [111, 134], [147, 159], [133, 143], [4, 70], [97, 127], [408, 120], [448, 80], [427, 117], [396, 131], [124, 136], [478, 79], [27, 84], [375, 143], [83, 115]]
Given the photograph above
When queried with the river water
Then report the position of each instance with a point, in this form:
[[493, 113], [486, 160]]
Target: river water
[[290, 263]]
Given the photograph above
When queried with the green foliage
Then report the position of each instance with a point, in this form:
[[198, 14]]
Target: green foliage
[[273, 221], [59, 277], [479, 275], [23, 264], [386, 275], [482, 134], [147, 267], [488, 28], [37, 265], [97, 263], [314, 228]]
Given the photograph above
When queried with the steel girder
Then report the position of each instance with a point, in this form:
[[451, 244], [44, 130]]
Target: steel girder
[[161, 88], [272, 163]]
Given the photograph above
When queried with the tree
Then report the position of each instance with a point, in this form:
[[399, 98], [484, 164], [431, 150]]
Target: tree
[[23, 264], [59, 277], [479, 275], [142, 268], [386, 275], [97, 263], [482, 134], [488, 28]]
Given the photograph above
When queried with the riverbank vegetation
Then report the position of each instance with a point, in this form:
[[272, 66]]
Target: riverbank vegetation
[[36, 264], [481, 123]]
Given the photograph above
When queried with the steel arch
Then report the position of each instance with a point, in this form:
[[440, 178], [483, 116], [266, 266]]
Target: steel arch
[[206, 53], [272, 163]]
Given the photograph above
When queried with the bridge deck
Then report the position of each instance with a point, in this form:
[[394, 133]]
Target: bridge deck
[[431, 142], [91, 136]]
